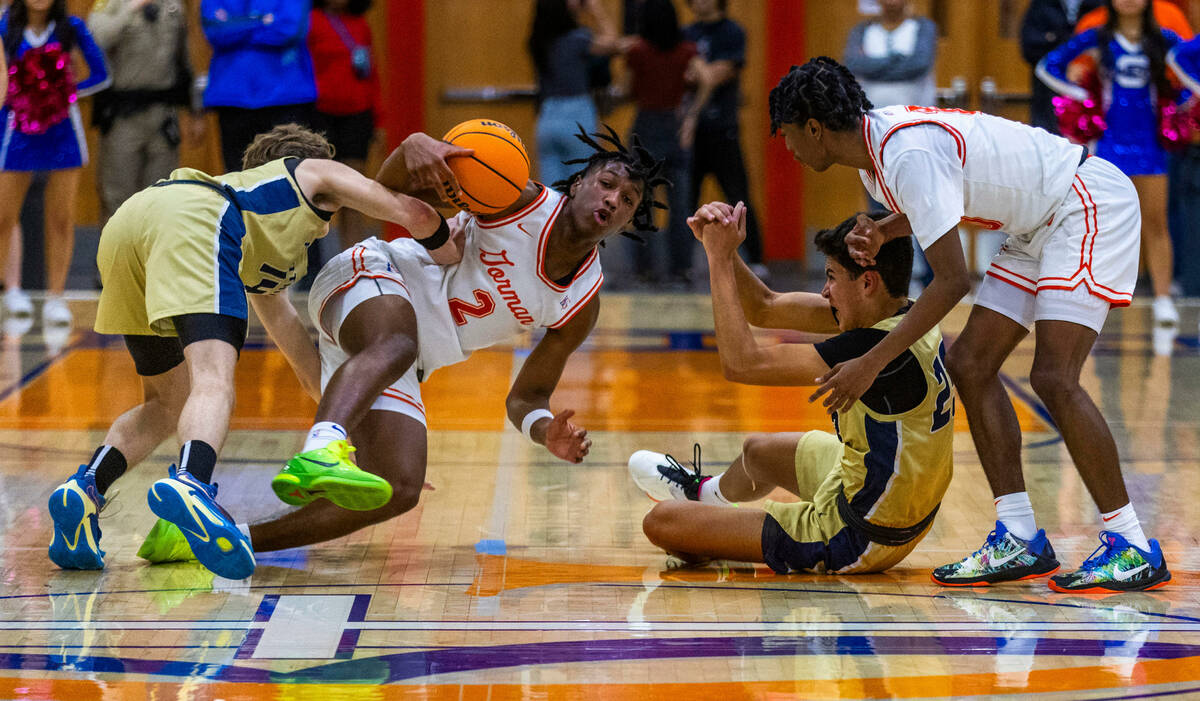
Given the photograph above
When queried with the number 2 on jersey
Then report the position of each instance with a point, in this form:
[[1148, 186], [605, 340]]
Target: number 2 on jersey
[[461, 309]]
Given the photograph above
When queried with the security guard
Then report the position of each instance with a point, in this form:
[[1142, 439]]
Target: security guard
[[146, 45]]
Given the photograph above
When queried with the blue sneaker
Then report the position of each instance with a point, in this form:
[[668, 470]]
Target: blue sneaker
[[1003, 558], [1117, 565], [75, 509], [210, 531]]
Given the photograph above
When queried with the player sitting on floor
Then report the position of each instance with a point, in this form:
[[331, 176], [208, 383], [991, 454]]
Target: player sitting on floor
[[869, 494]]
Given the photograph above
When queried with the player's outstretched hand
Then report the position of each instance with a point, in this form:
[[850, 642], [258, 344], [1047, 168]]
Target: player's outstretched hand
[[565, 440], [425, 158], [864, 240], [711, 213], [845, 383]]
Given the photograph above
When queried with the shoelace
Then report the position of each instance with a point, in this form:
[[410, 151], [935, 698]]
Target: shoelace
[[992, 539], [673, 464], [1101, 555]]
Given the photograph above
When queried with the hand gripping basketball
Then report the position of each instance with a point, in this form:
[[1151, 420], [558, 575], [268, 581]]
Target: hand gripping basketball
[[493, 176]]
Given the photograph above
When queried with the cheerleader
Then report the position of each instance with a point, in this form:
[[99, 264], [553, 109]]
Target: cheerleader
[[43, 130], [1130, 50]]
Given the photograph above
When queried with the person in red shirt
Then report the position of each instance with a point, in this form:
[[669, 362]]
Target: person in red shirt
[[348, 95]]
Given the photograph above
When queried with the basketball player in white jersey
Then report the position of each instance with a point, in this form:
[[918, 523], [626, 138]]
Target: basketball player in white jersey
[[388, 316], [1073, 224]]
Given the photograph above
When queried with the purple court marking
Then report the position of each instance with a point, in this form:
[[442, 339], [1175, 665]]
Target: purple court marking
[[412, 665], [246, 650], [266, 607], [347, 645], [358, 612]]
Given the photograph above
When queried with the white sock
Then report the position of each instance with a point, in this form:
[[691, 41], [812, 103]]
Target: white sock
[[322, 434], [710, 492], [1016, 513], [1125, 521], [245, 529]]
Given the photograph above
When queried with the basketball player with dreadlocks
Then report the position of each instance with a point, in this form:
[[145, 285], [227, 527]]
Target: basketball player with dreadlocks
[[388, 316], [1073, 227]]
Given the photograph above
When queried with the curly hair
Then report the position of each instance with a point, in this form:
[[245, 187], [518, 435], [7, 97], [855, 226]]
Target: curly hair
[[893, 262], [821, 89], [640, 163], [283, 141]]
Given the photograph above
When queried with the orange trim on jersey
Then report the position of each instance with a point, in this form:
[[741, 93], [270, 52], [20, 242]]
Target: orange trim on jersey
[[543, 238], [1016, 275], [401, 396], [960, 142], [1010, 282], [1083, 274], [520, 213], [360, 275], [990, 224], [578, 305], [887, 194]]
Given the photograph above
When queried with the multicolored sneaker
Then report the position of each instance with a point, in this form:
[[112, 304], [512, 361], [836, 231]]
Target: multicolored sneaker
[[1117, 565], [165, 543], [1003, 558], [75, 509], [661, 476], [210, 531], [327, 472]]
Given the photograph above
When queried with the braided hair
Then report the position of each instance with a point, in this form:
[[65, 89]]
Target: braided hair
[[821, 89], [640, 163]]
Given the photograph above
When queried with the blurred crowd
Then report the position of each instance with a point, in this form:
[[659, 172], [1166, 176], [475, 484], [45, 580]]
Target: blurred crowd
[[1119, 63]]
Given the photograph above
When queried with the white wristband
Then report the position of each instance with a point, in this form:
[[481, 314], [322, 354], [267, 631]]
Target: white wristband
[[531, 418]]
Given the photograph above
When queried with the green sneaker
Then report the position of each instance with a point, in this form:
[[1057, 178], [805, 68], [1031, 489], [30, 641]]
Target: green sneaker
[[165, 543], [327, 472], [1117, 565]]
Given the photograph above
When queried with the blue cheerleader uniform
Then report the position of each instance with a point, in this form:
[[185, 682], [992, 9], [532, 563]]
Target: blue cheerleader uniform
[[1130, 100], [63, 145]]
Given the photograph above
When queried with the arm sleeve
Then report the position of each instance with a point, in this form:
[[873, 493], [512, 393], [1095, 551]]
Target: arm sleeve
[[1052, 69], [925, 177], [98, 78], [1184, 60]]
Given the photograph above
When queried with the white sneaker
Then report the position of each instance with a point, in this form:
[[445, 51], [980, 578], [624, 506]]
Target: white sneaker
[[1162, 339], [662, 478], [55, 312], [17, 302], [1165, 313]]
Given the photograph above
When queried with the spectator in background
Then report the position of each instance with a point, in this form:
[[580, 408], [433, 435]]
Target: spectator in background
[[261, 73], [562, 51], [658, 60], [710, 127], [1184, 178], [145, 42], [43, 131], [1048, 23], [1130, 50], [892, 57], [349, 101], [1168, 15]]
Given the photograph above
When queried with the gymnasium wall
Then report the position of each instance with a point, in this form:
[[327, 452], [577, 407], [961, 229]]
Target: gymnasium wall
[[473, 44]]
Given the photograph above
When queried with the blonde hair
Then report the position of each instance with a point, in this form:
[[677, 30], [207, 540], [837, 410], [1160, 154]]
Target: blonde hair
[[283, 141]]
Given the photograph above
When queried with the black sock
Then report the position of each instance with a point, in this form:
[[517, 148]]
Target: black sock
[[106, 465], [199, 459]]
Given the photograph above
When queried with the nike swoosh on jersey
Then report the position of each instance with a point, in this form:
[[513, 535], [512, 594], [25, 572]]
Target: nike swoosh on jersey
[[1121, 575], [524, 230]]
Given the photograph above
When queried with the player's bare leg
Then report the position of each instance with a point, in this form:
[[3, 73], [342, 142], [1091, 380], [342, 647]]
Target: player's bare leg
[[697, 532], [768, 460]]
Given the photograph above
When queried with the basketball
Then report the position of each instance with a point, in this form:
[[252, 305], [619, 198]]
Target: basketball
[[493, 178]]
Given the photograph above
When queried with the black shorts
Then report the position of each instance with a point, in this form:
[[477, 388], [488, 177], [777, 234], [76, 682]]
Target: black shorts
[[350, 134], [154, 355], [786, 554]]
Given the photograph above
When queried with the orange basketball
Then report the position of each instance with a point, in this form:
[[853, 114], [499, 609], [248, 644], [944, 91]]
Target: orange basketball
[[493, 178]]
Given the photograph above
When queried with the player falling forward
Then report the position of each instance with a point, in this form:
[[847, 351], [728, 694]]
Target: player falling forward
[[1072, 253], [870, 493], [178, 261], [388, 316]]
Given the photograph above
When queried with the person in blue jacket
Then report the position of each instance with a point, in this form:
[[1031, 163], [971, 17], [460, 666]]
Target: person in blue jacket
[[261, 73], [1130, 51], [43, 131]]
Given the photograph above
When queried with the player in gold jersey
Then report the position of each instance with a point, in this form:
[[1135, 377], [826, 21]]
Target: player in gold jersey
[[868, 494], [178, 262]]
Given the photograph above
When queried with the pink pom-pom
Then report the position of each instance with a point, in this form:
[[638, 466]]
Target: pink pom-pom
[[1179, 125], [41, 89], [1081, 122]]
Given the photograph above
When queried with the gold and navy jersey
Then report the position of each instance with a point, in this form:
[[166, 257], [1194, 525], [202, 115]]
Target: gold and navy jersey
[[898, 438], [261, 210]]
